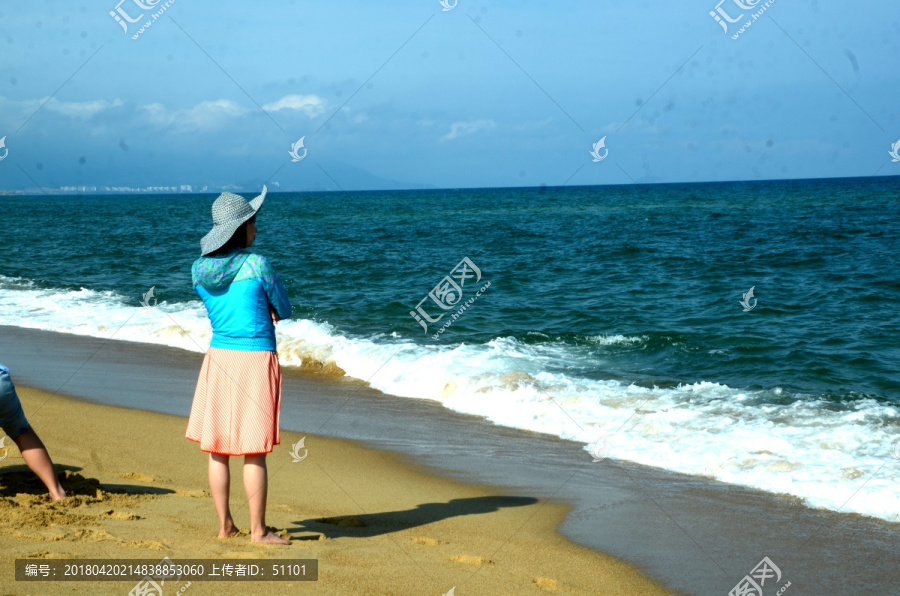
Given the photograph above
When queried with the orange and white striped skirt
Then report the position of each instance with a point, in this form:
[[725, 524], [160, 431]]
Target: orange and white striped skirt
[[237, 403]]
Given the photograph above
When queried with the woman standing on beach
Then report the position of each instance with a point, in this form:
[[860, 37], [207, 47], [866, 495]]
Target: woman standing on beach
[[237, 402]]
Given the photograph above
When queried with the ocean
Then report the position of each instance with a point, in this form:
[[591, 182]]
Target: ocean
[[615, 316]]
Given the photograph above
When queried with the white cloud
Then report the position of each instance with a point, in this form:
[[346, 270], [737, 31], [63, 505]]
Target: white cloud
[[461, 129], [207, 115], [311, 105], [74, 109], [82, 109]]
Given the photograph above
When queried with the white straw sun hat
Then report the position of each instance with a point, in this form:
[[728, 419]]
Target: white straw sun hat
[[229, 211]]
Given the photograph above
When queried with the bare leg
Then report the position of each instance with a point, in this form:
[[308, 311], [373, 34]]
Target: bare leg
[[256, 483], [36, 457], [220, 485]]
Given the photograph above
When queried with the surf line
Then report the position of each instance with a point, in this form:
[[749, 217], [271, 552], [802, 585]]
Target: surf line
[[462, 309]]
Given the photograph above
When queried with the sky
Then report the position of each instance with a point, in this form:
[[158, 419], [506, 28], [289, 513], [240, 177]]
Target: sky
[[407, 94]]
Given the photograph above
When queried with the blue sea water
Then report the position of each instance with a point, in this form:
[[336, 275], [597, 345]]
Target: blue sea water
[[608, 315]]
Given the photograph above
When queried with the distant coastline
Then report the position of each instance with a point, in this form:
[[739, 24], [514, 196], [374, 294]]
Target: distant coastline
[[388, 186]]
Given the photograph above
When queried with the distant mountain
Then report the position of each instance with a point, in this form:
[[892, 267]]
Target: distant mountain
[[308, 175]]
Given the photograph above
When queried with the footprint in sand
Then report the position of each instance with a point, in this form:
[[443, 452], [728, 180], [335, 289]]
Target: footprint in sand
[[87, 535], [195, 494], [470, 560], [151, 544], [545, 583], [311, 537], [121, 515], [427, 541], [41, 555]]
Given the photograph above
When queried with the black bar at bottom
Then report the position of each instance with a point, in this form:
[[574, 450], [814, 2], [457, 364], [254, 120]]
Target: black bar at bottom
[[155, 571]]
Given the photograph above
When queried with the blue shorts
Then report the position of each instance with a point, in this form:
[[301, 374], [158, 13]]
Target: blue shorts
[[12, 418]]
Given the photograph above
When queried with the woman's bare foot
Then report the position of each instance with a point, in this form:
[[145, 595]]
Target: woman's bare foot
[[270, 538], [229, 530]]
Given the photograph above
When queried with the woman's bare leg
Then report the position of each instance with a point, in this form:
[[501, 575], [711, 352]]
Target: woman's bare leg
[[36, 457], [256, 483], [220, 485]]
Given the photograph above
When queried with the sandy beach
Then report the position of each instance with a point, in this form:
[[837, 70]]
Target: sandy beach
[[376, 524]]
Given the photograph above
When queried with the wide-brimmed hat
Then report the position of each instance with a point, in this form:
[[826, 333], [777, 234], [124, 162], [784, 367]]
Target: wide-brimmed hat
[[229, 211]]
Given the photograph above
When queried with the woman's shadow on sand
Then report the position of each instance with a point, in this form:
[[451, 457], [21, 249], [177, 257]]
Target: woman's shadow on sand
[[375, 524]]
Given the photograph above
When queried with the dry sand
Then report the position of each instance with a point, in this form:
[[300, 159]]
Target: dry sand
[[376, 523]]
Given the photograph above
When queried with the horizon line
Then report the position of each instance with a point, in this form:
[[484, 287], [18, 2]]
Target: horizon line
[[233, 187]]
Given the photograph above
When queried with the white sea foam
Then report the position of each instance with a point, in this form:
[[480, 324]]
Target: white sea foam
[[609, 340], [834, 457]]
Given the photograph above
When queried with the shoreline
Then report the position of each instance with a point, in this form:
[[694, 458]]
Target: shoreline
[[375, 523], [689, 533]]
